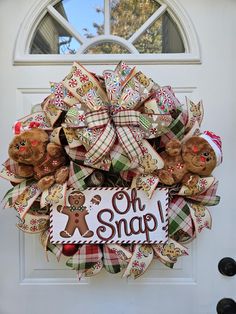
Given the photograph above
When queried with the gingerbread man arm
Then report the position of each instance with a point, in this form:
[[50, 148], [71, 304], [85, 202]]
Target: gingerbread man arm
[[165, 177], [63, 209], [25, 171], [85, 212], [190, 179], [173, 148], [54, 150]]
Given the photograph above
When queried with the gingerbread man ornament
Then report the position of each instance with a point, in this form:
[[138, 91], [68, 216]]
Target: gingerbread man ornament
[[76, 213]]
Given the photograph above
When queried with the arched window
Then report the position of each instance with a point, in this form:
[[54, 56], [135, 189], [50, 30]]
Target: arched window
[[98, 30]]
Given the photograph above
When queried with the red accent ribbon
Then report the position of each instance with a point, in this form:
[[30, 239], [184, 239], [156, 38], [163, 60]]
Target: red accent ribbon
[[34, 124], [18, 128]]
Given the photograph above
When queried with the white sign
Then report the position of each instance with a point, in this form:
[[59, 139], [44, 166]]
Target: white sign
[[110, 215]]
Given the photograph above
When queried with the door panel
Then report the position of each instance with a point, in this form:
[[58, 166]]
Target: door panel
[[30, 284]]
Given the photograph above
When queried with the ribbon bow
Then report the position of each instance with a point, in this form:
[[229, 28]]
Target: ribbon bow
[[119, 113], [115, 125]]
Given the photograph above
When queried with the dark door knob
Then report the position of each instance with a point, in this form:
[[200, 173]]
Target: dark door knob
[[227, 266], [226, 306]]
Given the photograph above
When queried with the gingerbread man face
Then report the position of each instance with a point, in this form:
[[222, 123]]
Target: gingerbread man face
[[199, 156], [76, 199], [29, 147]]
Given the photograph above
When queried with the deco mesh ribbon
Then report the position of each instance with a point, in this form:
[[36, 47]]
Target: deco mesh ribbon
[[117, 123]]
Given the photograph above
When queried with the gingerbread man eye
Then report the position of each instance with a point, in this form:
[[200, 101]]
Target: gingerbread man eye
[[206, 154], [23, 143], [17, 146]]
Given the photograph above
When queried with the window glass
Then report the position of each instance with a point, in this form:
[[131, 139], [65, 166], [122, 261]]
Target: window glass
[[124, 19], [86, 16], [128, 16], [51, 38], [161, 37]]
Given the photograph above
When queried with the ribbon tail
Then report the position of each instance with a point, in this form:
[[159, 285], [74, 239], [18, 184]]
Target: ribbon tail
[[26, 199], [180, 220], [207, 198], [55, 249], [129, 143], [140, 261], [34, 223], [10, 176], [201, 217], [169, 252], [201, 186], [86, 259], [120, 251], [11, 196], [92, 271], [102, 146], [112, 262], [147, 182]]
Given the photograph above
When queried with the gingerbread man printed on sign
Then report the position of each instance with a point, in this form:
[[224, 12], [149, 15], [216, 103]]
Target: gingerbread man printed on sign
[[76, 213]]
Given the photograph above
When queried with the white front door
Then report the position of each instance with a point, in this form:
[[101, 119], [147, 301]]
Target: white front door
[[29, 284]]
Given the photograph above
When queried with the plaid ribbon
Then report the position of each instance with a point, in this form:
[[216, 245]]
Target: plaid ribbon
[[122, 122], [102, 146], [189, 217], [126, 118], [114, 113], [55, 249], [86, 257], [77, 154], [77, 176], [180, 217], [11, 196], [11, 165], [98, 118], [112, 263], [208, 197], [176, 129], [120, 161], [129, 143]]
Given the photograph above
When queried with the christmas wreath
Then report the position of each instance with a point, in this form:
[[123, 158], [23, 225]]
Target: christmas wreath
[[131, 148]]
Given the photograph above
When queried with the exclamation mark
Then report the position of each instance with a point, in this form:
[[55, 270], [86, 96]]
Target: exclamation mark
[[160, 211]]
